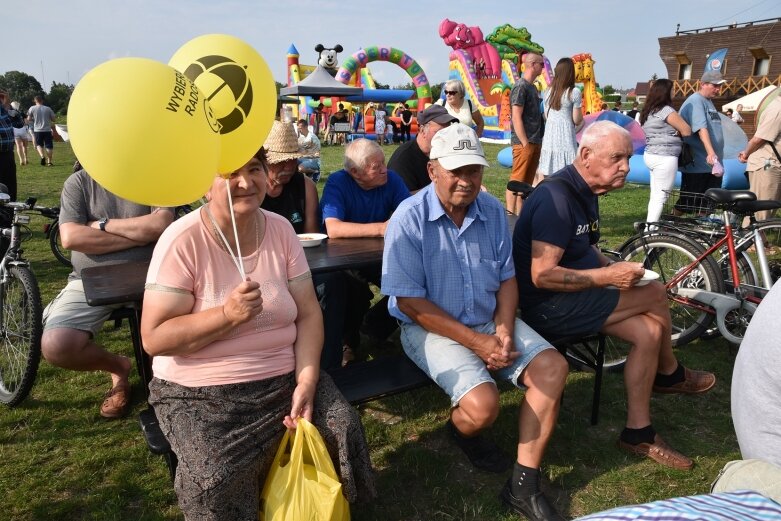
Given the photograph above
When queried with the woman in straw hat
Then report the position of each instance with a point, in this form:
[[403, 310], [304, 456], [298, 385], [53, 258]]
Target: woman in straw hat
[[294, 196], [233, 366], [289, 193]]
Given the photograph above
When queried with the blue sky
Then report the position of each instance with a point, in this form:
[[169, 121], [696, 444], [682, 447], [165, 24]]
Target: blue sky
[[60, 40]]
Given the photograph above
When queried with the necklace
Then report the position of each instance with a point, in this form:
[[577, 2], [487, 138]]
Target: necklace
[[224, 246]]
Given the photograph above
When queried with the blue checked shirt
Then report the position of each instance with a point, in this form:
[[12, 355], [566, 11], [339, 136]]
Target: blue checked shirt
[[6, 131], [724, 506], [459, 270]]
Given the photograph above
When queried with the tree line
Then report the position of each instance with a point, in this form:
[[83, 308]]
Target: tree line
[[23, 88]]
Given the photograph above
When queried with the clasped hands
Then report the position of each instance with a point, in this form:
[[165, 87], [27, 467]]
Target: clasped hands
[[497, 352]]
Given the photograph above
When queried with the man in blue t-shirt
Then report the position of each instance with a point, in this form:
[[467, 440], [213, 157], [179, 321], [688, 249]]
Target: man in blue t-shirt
[[706, 141], [358, 202], [567, 287]]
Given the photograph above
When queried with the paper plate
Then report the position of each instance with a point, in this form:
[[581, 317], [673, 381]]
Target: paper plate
[[648, 276], [310, 240]]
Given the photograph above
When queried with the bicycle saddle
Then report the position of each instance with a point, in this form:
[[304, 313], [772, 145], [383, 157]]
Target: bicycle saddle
[[519, 187], [756, 206], [721, 195]]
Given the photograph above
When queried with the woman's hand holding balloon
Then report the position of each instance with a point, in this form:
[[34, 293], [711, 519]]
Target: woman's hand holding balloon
[[243, 303]]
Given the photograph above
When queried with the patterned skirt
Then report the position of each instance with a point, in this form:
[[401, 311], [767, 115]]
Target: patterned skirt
[[226, 436]]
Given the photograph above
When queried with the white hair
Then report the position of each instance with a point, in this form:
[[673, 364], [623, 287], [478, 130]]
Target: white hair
[[358, 152], [596, 133]]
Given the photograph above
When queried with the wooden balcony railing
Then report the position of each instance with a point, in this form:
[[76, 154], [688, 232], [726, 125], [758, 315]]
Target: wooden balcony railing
[[733, 87]]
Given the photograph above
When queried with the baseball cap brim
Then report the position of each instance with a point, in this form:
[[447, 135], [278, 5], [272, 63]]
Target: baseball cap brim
[[457, 161]]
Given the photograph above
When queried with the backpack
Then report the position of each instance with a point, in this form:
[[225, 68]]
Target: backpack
[[17, 118]]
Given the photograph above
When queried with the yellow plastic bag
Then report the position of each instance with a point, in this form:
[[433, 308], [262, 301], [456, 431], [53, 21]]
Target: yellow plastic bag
[[302, 483]]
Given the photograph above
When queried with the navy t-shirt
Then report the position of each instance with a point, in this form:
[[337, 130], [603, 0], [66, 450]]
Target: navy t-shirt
[[567, 217]]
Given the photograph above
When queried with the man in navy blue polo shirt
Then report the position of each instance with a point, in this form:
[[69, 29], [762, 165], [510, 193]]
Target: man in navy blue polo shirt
[[567, 287]]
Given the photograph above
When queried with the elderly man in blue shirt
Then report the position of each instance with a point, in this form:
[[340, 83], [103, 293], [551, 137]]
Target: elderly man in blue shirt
[[448, 268]]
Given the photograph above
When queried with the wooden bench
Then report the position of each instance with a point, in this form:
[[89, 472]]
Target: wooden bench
[[364, 382]]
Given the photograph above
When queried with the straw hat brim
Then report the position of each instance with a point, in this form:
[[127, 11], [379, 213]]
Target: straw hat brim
[[278, 157]]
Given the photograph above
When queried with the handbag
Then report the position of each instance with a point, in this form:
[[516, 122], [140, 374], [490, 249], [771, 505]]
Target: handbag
[[687, 155], [302, 482]]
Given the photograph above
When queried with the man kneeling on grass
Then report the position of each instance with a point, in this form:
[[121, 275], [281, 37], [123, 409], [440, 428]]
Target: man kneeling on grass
[[448, 268]]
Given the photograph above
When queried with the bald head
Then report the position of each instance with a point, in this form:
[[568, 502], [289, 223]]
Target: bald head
[[603, 156], [533, 64]]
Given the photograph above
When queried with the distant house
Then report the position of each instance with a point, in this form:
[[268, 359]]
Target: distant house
[[640, 91], [748, 65]]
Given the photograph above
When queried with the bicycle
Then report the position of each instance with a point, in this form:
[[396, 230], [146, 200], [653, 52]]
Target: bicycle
[[707, 230], [52, 232], [698, 285], [20, 310]]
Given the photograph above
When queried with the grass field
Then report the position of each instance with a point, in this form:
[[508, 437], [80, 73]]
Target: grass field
[[60, 461]]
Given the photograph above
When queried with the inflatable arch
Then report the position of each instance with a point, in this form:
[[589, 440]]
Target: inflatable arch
[[390, 54]]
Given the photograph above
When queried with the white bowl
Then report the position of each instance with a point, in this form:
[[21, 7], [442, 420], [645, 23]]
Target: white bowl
[[648, 276], [310, 240]]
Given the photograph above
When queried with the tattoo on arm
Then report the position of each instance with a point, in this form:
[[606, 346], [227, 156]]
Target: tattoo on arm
[[577, 279]]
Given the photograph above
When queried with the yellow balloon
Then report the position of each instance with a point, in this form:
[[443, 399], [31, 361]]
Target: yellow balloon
[[144, 132], [240, 88]]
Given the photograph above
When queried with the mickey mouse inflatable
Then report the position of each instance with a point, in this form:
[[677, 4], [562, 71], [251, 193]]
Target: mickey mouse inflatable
[[327, 58]]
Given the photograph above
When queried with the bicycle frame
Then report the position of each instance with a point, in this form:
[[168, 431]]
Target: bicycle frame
[[711, 302]]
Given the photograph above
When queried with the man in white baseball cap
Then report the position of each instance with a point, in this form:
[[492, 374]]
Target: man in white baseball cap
[[448, 269]]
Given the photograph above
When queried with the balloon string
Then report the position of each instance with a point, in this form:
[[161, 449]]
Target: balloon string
[[235, 231], [223, 239]]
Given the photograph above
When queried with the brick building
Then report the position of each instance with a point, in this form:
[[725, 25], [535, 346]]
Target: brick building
[[753, 59]]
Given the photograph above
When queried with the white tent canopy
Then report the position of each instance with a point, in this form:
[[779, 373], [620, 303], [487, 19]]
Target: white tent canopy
[[751, 101]]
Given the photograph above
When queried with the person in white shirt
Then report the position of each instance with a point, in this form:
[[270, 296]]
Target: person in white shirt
[[736, 117], [309, 145]]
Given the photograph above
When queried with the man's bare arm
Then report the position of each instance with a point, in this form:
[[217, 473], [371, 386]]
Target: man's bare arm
[[143, 229], [547, 274], [90, 239], [338, 229]]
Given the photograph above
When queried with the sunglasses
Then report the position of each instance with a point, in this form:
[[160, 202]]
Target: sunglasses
[[450, 93]]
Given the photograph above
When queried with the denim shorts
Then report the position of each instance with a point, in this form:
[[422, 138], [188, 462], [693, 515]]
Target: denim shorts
[[577, 313], [70, 310], [457, 369]]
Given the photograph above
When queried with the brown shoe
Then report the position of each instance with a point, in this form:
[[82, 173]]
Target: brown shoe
[[658, 451], [694, 382], [116, 402]]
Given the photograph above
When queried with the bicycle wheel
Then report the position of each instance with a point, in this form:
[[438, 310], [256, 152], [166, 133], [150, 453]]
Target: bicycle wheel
[[63, 255], [20, 334], [616, 351], [667, 255]]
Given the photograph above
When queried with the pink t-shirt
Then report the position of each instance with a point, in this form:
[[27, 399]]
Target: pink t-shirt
[[188, 259]]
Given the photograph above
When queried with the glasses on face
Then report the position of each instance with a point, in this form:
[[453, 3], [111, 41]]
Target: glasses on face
[[450, 93], [541, 64]]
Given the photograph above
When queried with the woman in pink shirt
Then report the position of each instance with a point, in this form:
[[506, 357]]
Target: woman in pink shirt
[[237, 361]]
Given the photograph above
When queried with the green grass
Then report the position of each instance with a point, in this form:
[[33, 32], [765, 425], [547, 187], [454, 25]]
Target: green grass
[[60, 460]]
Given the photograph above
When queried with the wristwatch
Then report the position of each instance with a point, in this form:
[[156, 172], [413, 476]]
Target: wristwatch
[[102, 224]]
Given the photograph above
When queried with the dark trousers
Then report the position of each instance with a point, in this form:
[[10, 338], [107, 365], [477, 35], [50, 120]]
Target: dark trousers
[[344, 301], [7, 178], [405, 132], [8, 172]]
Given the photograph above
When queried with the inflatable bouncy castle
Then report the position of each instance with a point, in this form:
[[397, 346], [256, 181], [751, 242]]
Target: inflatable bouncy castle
[[490, 65]]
